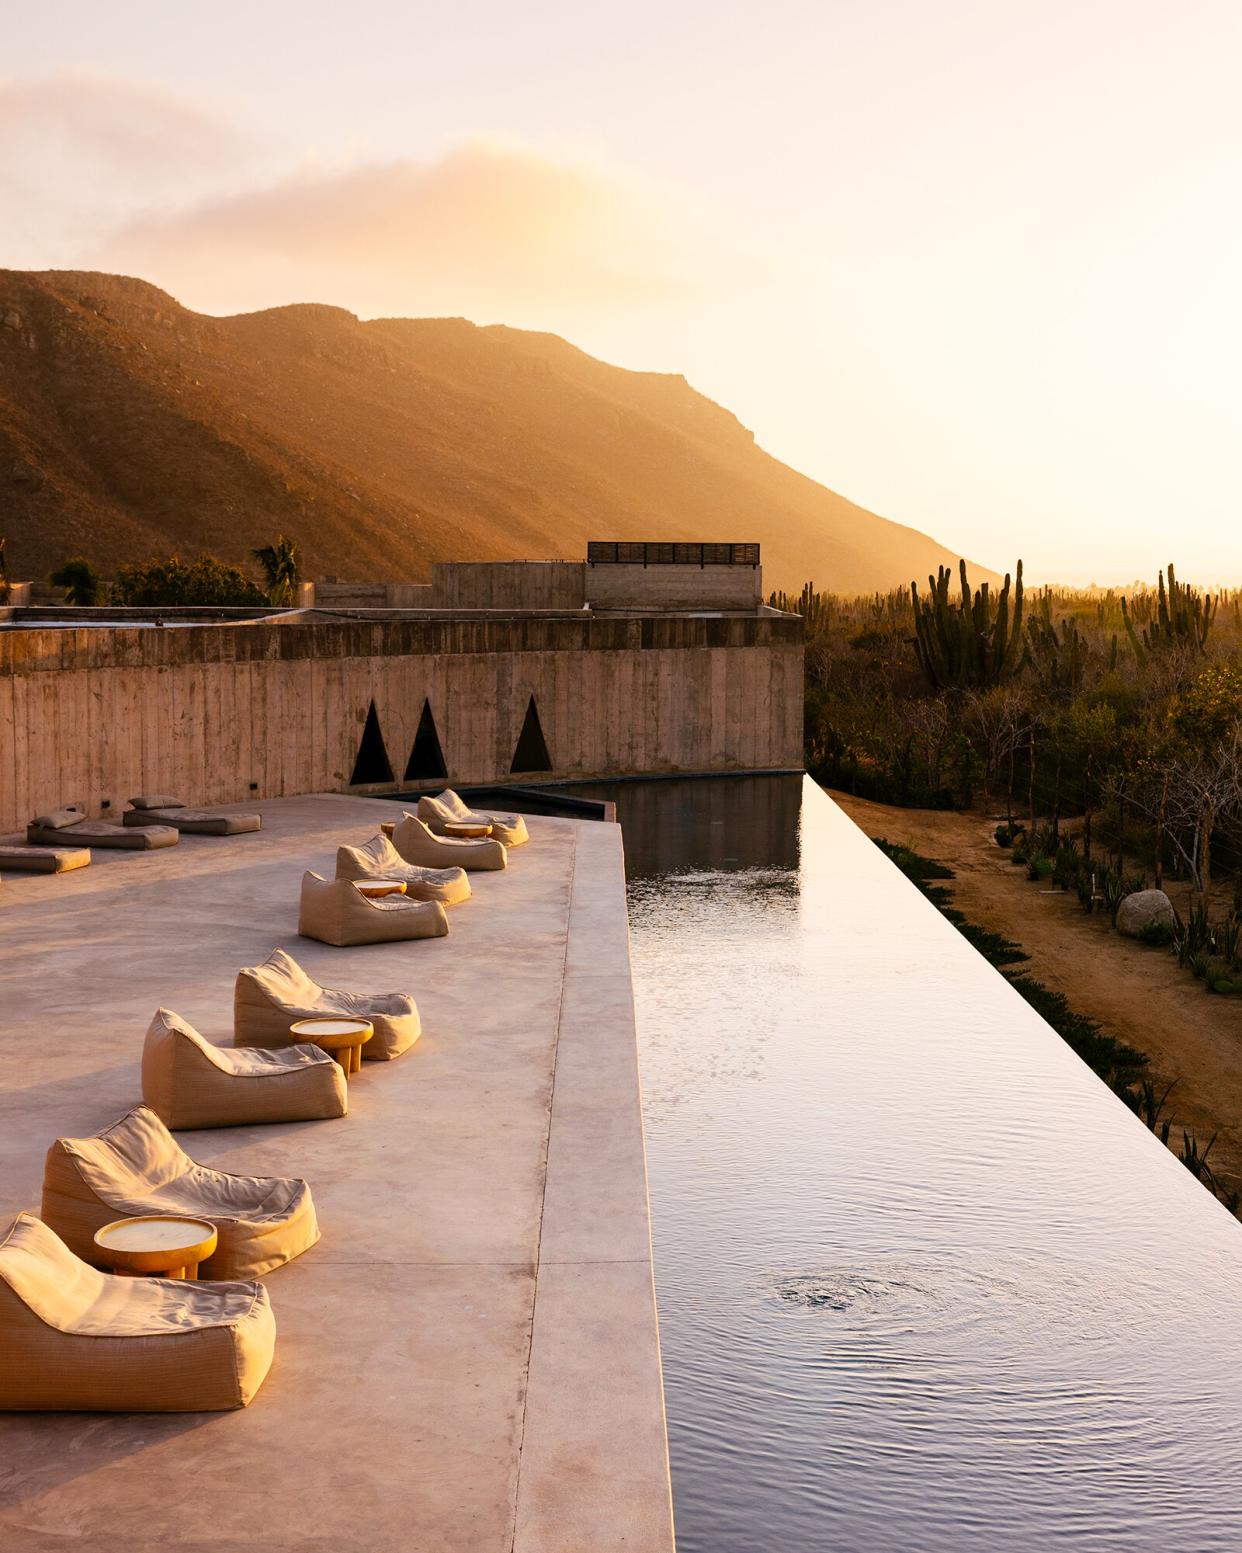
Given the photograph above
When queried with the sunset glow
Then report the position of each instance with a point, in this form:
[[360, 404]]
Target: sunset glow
[[973, 265]]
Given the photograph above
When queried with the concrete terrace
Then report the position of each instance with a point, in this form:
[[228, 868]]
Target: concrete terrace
[[469, 1358]]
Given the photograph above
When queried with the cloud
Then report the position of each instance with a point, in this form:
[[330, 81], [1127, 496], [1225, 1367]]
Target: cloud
[[484, 225], [103, 173], [132, 130], [81, 151]]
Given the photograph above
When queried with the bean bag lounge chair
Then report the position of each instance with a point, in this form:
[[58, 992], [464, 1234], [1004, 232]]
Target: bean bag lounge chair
[[268, 998], [415, 842], [335, 911], [190, 1082], [379, 859], [154, 809], [78, 1340], [136, 1167], [447, 808], [70, 827], [36, 860]]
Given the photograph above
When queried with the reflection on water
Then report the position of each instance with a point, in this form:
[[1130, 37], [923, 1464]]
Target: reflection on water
[[923, 1283]]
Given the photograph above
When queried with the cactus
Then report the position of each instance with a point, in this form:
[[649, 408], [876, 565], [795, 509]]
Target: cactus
[[1183, 619], [966, 643], [1059, 656]]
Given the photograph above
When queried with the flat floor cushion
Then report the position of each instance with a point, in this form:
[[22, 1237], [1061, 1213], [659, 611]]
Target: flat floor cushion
[[137, 1167], [31, 861], [195, 822], [79, 1340], [100, 833]]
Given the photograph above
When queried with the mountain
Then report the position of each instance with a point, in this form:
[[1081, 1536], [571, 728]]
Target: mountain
[[131, 427]]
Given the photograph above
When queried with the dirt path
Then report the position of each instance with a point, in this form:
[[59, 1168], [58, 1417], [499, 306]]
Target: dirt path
[[1138, 994]]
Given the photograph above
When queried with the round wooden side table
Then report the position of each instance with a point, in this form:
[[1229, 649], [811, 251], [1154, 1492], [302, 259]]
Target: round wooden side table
[[387, 827], [466, 829], [156, 1245], [343, 1038], [376, 889]]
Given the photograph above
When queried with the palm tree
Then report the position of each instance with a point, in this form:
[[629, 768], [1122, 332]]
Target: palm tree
[[281, 562], [79, 579]]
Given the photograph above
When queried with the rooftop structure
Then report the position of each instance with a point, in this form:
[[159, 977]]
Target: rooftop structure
[[493, 672]]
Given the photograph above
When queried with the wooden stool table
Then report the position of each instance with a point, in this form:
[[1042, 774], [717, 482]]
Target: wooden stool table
[[159, 1245], [344, 1038], [467, 828], [376, 889]]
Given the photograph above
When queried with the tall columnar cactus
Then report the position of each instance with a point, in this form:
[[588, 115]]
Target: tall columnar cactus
[[1059, 655], [1183, 619], [966, 643]]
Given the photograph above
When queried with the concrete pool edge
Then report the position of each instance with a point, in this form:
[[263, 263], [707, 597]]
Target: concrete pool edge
[[594, 1395]]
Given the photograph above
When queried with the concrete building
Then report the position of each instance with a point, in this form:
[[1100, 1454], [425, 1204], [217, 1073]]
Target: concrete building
[[515, 672]]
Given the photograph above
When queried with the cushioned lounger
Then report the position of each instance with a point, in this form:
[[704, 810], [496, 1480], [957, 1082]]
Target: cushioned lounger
[[28, 860], [416, 844], [268, 998], [70, 826], [447, 808], [73, 1339], [335, 911], [189, 1082], [379, 859], [153, 809], [136, 1167]]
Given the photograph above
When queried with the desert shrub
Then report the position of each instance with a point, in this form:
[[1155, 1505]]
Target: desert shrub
[[206, 580], [1158, 934]]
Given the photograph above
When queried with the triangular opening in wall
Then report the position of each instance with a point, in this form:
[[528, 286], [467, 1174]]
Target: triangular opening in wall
[[372, 764], [532, 748], [426, 760]]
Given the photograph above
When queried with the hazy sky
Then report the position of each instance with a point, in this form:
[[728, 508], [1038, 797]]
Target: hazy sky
[[975, 264]]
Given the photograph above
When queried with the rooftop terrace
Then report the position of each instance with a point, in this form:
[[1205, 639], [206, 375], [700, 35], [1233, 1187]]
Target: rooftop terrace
[[469, 1358]]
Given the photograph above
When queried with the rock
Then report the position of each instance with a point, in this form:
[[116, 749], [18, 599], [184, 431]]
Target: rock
[[1144, 909], [12, 319]]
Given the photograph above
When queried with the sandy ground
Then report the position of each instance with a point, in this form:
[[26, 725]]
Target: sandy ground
[[1138, 994]]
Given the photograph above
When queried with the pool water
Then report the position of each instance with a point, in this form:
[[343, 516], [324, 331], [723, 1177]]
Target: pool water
[[923, 1282]]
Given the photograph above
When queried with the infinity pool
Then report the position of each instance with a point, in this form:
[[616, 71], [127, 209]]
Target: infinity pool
[[924, 1284]]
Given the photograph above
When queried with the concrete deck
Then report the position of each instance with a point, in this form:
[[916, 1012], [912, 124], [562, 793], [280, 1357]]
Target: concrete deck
[[469, 1358]]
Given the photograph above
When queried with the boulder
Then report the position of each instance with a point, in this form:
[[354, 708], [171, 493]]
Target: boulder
[[1142, 909]]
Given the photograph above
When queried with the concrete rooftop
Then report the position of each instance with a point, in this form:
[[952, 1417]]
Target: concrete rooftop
[[469, 1358]]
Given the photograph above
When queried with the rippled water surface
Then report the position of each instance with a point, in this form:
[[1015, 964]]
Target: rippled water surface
[[923, 1283]]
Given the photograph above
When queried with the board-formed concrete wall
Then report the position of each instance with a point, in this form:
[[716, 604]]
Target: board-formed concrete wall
[[223, 713]]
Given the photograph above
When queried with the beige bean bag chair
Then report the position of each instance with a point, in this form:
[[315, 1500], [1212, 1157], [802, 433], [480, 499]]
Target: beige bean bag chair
[[379, 859], [70, 827], [30, 860], [189, 1082], [153, 809], [137, 1167], [415, 842], [268, 998], [448, 808], [77, 1340], [335, 911]]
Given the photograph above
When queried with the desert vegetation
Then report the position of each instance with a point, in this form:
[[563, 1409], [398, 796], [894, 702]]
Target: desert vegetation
[[1105, 728], [170, 582]]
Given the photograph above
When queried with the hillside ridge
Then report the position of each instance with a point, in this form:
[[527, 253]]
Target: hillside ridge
[[131, 426]]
